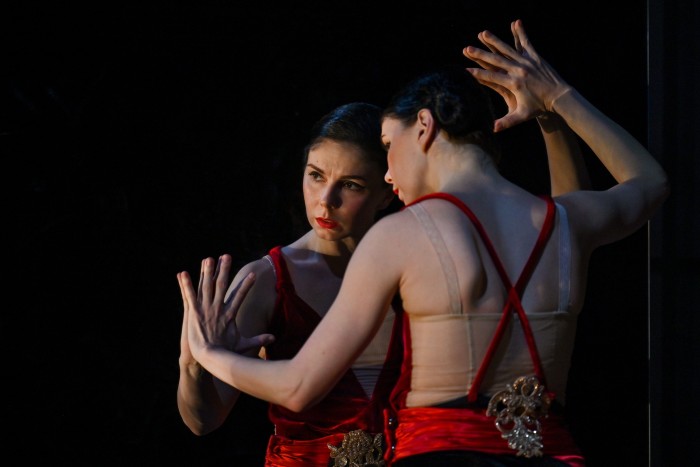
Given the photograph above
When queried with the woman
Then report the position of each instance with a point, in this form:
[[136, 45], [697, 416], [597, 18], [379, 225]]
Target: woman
[[344, 193], [390, 263]]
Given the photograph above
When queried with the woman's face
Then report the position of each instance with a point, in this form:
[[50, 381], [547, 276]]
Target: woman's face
[[399, 142], [342, 191]]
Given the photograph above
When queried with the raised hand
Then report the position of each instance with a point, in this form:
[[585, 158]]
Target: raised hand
[[527, 83], [211, 319]]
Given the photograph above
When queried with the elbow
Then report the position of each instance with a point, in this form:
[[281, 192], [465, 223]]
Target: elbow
[[298, 387], [198, 427], [300, 401], [200, 422], [299, 397], [198, 430]]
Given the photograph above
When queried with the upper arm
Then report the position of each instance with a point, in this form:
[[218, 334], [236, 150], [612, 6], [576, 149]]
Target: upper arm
[[602, 217], [256, 310]]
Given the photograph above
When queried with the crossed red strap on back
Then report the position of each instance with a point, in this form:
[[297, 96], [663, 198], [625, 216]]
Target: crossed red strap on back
[[514, 292]]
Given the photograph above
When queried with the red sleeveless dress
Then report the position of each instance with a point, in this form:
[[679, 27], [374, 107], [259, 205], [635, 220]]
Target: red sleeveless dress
[[301, 439]]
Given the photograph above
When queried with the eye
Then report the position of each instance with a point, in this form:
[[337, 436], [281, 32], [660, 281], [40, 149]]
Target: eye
[[315, 175], [352, 186]]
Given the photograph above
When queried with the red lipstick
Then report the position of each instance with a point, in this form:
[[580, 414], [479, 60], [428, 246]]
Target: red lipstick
[[326, 223]]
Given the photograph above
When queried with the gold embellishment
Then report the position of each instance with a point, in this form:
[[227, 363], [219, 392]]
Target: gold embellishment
[[358, 449], [518, 410]]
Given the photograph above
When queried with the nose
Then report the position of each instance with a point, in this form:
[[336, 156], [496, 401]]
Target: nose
[[387, 178], [330, 198]]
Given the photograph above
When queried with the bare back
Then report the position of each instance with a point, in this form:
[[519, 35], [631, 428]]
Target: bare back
[[466, 317]]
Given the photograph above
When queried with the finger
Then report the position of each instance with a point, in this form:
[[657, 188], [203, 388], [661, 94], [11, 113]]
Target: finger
[[483, 64], [207, 282], [201, 277], [486, 76], [239, 294], [493, 60], [509, 120], [491, 85], [525, 43], [504, 92], [497, 46], [182, 293], [183, 333], [187, 290], [516, 38], [490, 47], [246, 344], [185, 302], [222, 271]]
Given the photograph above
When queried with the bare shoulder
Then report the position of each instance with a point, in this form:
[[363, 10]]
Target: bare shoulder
[[393, 226], [390, 237], [265, 278], [257, 309]]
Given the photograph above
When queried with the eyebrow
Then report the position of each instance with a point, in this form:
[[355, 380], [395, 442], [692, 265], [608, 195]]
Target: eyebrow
[[354, 177]]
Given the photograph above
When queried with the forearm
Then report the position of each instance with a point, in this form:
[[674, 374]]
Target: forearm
[[621, 154], [275, 381], [202, 401], [567, 169]]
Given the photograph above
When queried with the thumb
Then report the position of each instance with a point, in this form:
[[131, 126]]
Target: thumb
[[509, 120], [256, 342]]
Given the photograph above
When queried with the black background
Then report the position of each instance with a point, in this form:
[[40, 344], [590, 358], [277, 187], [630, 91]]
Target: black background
[[145, 137]]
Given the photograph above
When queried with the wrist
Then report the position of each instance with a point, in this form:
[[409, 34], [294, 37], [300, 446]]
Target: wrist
[[550, 107]]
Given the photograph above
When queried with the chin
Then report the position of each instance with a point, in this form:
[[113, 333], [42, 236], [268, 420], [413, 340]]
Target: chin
[[331, 235]]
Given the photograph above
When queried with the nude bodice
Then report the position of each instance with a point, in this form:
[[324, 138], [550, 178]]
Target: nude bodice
[[441, 373]]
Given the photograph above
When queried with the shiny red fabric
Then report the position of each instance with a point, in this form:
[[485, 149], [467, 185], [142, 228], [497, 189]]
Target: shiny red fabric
[[345, 408], [285, 452], [426, 429]]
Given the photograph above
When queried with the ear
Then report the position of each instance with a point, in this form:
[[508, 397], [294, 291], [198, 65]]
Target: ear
[[427, 129]]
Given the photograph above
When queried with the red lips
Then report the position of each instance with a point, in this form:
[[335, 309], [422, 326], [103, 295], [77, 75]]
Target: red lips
[[326, 223]]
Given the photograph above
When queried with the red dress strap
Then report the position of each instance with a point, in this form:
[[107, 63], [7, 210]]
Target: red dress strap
[[513, 303]]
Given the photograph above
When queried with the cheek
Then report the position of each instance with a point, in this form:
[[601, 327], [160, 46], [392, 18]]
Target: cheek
[[362, 210], [310, 190], [310, 196]]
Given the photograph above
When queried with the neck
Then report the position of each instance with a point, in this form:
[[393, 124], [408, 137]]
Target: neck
[[462, 167], [335, 254]]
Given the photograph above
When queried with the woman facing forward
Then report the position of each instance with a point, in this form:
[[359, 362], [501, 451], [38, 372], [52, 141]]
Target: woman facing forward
[[344, 193]]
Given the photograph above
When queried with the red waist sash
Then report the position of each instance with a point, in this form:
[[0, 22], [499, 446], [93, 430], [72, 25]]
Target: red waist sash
[[285, 452], [421, 430]]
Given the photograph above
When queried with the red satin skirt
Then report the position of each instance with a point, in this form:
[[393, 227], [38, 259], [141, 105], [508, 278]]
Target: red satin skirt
[[285, 452], [422, 430]]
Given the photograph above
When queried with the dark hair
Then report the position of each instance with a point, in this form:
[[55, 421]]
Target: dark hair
[[357, 123], [458, 102]]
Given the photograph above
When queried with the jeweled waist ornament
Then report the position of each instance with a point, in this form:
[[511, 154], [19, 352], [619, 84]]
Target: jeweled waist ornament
[[518, 410]]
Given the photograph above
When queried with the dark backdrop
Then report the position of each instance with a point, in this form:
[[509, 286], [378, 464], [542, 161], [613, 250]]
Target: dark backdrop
[[141, 138]]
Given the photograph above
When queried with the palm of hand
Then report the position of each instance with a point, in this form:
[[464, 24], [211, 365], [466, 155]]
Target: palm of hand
[[209, 318]]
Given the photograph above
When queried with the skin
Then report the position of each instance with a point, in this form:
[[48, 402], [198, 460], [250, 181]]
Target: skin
[[422, 160], [342, 194]]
